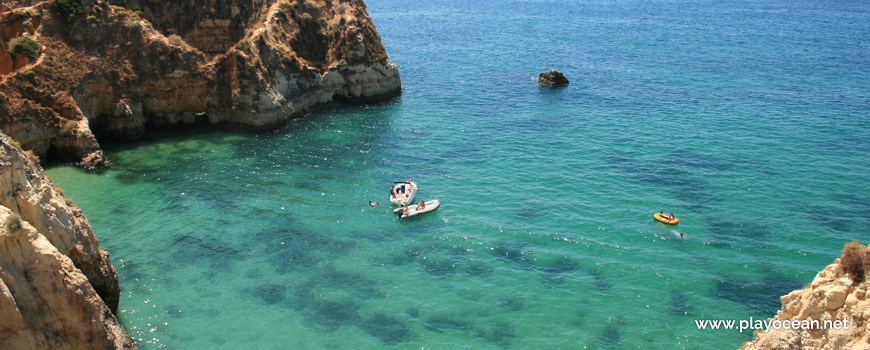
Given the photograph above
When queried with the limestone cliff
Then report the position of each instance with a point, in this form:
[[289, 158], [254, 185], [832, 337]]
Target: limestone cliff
[[57, 287], [73, 71], [832, 295]]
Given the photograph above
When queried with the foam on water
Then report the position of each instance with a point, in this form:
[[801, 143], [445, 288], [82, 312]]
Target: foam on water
[[747, 120]]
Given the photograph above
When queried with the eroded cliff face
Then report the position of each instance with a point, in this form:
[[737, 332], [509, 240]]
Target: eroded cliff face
[[831, 296], [58, 289], [114, 69]]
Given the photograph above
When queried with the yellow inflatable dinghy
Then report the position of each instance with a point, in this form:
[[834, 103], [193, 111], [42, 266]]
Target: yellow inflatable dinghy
[[666, 219]]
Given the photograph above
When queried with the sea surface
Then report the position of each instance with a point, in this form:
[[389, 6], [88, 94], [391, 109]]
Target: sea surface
[[749, 120]]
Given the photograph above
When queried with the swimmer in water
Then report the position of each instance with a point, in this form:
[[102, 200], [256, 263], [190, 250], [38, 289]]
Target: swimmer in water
[[681, 235], [374, 204]]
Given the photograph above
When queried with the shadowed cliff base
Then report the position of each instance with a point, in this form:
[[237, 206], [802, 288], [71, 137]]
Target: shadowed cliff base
[[116, 69]]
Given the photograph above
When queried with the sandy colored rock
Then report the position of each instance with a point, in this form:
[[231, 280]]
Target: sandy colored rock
[[830, 296], [56, 284]]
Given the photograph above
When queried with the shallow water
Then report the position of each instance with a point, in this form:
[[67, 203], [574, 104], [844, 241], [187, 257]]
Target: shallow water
[[747, 120]]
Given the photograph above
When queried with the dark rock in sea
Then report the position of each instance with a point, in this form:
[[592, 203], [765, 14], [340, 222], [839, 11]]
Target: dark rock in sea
[[552, 78]]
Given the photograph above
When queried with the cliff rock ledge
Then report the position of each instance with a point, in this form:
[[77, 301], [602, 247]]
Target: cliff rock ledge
[[833, 295], [75, 71], [57, 287]]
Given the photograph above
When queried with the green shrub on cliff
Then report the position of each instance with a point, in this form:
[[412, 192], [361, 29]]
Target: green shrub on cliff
[[12, 222], [176, 40], [243, 46], [24, 46], [133, 26], [853, 261], [67, 9]]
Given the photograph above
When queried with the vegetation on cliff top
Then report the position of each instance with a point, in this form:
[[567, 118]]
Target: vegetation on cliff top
[[177, 40], [856, 260], [24, 46], [67, 9]]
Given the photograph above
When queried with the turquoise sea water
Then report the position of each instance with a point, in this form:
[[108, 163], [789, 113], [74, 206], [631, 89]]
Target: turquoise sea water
[[748, 120]]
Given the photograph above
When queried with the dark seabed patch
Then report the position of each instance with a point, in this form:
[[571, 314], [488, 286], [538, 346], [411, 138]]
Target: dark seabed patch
[[129, 271], [512, 304], [478, 269], [726, 231], [325, 313], [413, 313], [611, 336], [439, 267], [554, 270], [529, 213], [501, 333], [761, 295], [675, 174], [293, 248], [679, 304], [333, 314], [508, 252], [387, 329], [850, 214], [361, 287], [270, 294], [190, 250], [602, 283], [440, 323], [174, 311]]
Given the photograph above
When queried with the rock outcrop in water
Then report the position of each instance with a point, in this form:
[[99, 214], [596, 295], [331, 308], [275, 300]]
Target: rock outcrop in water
[[832, 295], [57, 287], [553, 78], [73, 71]]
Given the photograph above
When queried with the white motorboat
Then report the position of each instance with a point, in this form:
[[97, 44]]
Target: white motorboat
[[403, 192], [412, 210]]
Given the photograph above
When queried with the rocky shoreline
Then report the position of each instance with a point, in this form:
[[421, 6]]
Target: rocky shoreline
[[73, 72], [835, 294], [115, 69], [58, 289]]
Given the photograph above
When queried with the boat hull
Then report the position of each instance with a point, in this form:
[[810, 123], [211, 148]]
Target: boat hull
[[412, 210], [665, 219]]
